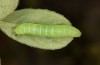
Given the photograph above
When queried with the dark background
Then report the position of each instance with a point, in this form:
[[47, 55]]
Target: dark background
[[83, 14]]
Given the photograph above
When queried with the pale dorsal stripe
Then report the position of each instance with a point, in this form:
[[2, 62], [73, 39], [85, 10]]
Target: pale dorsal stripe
[[46, 30], [40, 29], [52, 31], [29, 28], [34, 29], [24, 30], [64, 30]]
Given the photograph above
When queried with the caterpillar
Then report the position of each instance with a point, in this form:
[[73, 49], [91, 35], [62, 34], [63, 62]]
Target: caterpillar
[[46, 30]]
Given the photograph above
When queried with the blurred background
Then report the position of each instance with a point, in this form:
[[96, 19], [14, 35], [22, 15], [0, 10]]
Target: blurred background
[[83, 14]]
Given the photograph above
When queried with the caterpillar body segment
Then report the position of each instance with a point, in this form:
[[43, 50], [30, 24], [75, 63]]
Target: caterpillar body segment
[[46, 30]]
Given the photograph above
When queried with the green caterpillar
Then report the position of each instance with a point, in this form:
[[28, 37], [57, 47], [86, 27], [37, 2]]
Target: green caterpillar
[[46, 30]]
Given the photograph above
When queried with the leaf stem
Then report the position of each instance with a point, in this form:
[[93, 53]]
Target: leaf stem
[[4, 24]]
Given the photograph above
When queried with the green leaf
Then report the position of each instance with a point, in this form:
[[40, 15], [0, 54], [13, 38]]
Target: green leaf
[[39, 16], [7, 7]]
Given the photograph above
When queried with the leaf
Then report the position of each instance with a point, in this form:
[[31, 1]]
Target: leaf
[[38, 16], [7, 7]]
